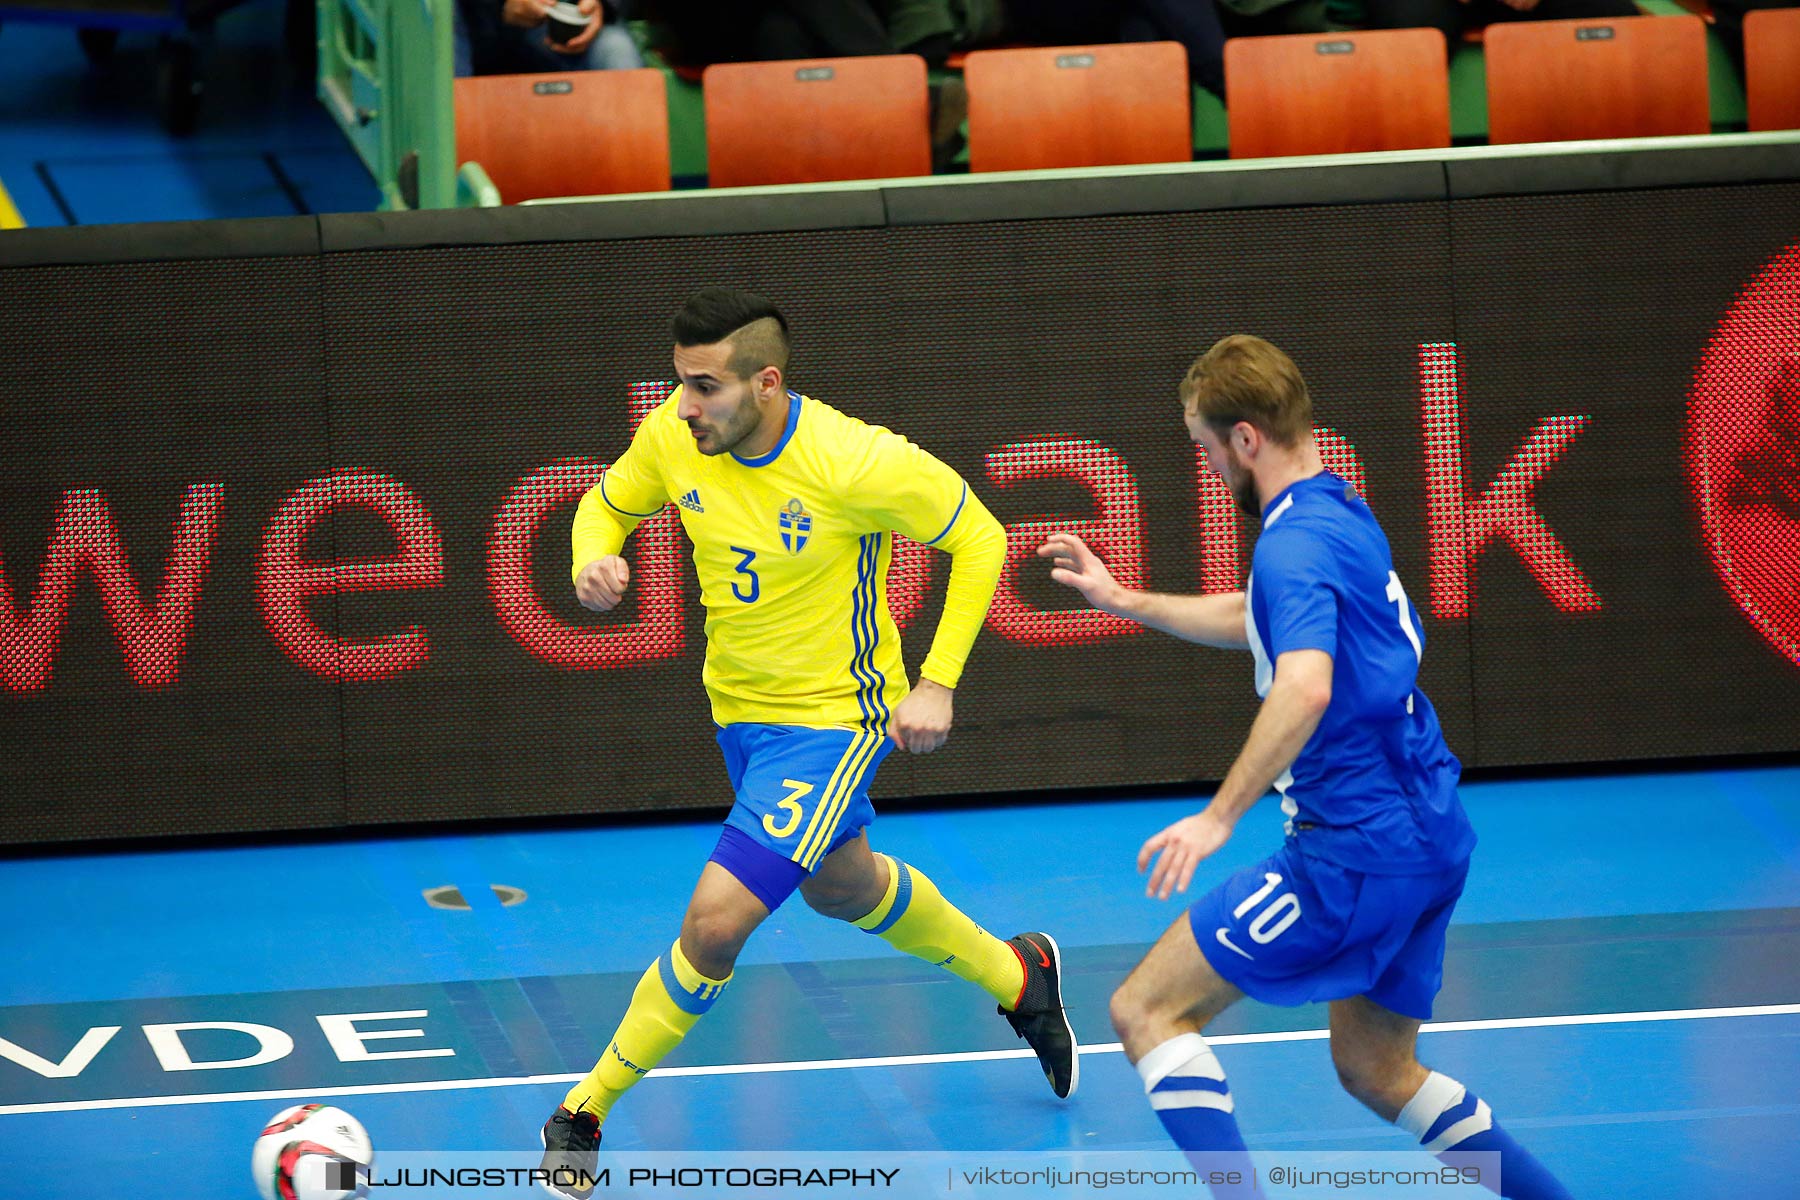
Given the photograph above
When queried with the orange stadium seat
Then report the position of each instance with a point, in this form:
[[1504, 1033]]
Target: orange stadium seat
[[1613, 77], [1337, 93], [815, 120], [1772, 68], [585, 133], [1078, 106]]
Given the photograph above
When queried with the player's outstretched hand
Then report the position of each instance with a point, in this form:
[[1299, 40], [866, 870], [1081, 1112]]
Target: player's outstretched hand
[[922, 721], [1182, 846], [1074, 565], [602, 583]]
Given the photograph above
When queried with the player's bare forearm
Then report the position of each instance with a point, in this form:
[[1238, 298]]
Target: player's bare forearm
[[1214, 620], [1289, 715]]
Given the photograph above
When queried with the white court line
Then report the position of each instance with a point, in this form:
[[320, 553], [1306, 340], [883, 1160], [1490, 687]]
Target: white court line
[[901, 1060]]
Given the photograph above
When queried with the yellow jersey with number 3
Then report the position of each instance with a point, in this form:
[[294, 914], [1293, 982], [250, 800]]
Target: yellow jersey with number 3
[[792, 549]]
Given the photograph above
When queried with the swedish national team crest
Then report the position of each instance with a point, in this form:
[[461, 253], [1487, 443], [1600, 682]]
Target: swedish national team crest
[[796, 524]]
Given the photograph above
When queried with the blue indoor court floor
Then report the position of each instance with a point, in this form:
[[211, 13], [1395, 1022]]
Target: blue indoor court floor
[[1623, 987]]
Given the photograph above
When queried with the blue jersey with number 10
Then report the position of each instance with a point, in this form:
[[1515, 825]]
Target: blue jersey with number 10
[[1374, 789]]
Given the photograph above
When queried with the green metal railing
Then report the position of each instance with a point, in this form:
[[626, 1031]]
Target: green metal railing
[[385, 77]]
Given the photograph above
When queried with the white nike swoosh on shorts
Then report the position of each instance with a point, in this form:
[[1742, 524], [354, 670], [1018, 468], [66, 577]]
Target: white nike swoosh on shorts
[[1229, 944]]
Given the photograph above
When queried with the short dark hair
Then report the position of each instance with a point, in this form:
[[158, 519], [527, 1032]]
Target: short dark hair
[[716, 314], [1244, 378]]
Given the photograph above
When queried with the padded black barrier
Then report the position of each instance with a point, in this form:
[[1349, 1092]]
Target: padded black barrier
[[1168, 189], [162, 241], [681, 214], [1749, 158], [285, 535]]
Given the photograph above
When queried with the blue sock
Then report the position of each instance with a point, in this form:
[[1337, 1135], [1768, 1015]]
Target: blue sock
[[1445, 1117], [1187, 1088]]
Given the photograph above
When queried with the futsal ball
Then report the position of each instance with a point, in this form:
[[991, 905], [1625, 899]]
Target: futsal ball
[[312, 1152]]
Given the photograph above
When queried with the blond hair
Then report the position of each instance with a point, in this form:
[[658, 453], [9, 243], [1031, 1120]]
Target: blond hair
[[1244, 378]]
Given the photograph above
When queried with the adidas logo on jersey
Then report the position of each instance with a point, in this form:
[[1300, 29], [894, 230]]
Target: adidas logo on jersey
[[691, 501]]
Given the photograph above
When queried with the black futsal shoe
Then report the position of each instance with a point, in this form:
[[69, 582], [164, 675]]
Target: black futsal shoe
[[1040, 1018], [571, 1154]]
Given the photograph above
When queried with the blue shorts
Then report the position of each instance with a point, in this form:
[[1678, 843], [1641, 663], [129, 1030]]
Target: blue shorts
[[1294, 930], [801, 793]]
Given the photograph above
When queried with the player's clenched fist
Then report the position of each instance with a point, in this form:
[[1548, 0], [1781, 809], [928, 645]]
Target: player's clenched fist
[[922, 720], [602, 583]]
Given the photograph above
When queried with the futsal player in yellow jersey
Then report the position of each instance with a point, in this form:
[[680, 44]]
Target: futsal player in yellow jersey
[[791, 506]]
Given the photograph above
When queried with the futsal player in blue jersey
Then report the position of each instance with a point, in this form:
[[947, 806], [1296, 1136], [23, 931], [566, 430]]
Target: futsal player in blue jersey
[[1353, 908], [792, 507]]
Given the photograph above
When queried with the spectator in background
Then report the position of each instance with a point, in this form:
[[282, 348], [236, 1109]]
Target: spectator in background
[[1199, 25], [1452, 17], [1065, 22], [1202, 26], [693, 34], [508, 37], [936, 28], [819, 29]]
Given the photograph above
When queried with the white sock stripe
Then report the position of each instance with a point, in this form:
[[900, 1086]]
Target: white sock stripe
[[1205, 1067], [1437, 1095], [1186, 1053], [1166, 1100], [1468, 1127]]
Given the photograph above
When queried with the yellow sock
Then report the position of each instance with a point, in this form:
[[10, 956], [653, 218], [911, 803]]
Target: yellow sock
[[915, 918], [669, 1000]]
